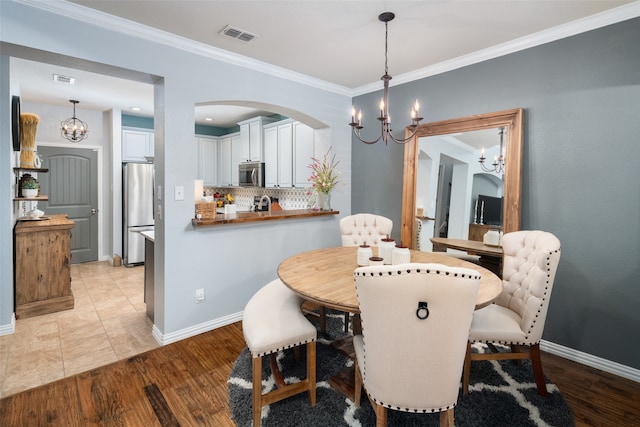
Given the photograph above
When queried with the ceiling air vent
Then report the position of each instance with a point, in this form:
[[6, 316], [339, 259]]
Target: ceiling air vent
[[238, 34], [64, 79]]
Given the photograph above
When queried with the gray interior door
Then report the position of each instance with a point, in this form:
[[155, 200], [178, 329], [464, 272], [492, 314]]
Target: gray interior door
[[72, 187]]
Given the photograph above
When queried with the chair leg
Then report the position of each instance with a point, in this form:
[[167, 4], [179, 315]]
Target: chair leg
[[381, 416], [323, 319], [515, 348], [446, 418], [537, 370], [357, 392], [466, 373], [311, 371], [257, 390], [346, 322]]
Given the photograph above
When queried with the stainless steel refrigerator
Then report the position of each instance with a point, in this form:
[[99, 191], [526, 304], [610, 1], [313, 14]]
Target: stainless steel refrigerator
[[137, 209]]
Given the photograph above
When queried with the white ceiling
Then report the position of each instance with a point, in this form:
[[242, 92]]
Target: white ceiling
[[340, 43]]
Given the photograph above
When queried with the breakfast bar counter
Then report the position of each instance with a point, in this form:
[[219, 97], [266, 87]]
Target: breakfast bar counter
[[244, 217]]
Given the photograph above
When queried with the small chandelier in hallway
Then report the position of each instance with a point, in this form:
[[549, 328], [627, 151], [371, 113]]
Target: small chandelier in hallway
[[498, 161], [384, 118], [73, 129]]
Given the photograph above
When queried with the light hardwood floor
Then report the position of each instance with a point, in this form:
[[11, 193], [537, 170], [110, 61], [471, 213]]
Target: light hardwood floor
[[107, 323]]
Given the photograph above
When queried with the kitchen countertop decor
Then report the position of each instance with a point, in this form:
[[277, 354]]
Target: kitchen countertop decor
[[242, 217]]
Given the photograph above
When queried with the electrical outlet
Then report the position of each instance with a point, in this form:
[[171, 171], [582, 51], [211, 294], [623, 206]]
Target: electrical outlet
[[199, 295]]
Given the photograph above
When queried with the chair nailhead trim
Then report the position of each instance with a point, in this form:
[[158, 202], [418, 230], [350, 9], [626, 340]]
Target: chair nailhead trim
[[417, 270], [281, 348], [416, 411]]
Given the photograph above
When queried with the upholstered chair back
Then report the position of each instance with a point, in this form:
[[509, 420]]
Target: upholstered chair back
[[415, 326], [364, 229], [529, 267]]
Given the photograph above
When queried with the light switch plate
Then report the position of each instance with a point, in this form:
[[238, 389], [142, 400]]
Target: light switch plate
[[179, 192]]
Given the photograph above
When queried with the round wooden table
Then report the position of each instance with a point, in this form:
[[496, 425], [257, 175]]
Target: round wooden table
[[325, 276]]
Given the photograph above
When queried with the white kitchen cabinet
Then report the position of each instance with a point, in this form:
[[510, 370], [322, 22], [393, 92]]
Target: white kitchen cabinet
[[237, 157], [224, 162], [251, 137], [207, 160], [303, 150], [136, 145], [278, 155]]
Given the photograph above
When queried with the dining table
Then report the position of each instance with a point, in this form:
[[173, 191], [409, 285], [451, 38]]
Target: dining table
[[326, 277], [490, 256]]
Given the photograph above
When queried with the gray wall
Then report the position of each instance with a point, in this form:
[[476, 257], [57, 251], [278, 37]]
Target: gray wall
[[581, 179]]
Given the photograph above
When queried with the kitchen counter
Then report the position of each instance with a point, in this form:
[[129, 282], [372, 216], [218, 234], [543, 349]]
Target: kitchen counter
[[243, 217]]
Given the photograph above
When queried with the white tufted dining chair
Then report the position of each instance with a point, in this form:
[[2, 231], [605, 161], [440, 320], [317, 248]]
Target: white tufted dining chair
[[415, 325], [364, 229], [518, 316]]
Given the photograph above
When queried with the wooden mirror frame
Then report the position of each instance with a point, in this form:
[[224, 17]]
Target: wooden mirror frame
[[509, 119]]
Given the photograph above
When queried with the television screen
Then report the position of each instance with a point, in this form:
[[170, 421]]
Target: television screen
[[492, 213]]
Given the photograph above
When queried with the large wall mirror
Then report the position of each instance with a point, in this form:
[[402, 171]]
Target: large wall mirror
[[442, 175]]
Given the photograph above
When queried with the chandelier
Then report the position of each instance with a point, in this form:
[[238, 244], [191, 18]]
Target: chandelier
[[74, 129], [498, 161], [384, 118]]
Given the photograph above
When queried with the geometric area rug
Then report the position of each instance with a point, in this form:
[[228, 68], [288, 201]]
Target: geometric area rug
[[501, 393]]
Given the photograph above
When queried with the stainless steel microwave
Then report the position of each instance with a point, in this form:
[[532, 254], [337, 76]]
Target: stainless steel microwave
[[251, 174]]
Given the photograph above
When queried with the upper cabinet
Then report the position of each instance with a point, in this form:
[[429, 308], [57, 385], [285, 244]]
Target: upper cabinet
[[237, 157], [285, 146], [137, 144], [207, 159], [224, 162], [278, 155], [251, 138], [288, 149], [303, 151]]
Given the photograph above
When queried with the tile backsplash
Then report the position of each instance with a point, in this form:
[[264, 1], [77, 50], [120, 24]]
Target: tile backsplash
[[288, 198]]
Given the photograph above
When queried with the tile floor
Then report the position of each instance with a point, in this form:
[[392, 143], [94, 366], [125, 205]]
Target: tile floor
[[108, 323]]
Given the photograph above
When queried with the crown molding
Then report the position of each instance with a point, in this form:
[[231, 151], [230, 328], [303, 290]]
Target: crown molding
[[124, 26], [613, 16], [134, 29]]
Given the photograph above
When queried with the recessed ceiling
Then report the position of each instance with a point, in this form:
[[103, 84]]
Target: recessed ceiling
[[340, 42]]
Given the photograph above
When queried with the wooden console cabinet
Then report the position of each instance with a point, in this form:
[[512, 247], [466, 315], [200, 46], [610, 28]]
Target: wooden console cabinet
[[43, 266]]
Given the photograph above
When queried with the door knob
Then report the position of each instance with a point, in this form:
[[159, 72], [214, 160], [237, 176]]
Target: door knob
[[94, 211]]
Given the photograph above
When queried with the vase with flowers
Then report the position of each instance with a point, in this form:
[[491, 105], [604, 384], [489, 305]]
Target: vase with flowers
[[324, 177]]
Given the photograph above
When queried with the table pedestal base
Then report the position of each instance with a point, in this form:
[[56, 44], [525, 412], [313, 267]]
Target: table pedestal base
[[344, 381]]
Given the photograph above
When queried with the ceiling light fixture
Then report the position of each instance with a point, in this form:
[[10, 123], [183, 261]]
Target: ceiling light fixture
[[498, 161], [73, 129], [384, 118]]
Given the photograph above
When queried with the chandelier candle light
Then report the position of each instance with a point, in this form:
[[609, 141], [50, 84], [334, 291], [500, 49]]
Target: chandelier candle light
[[498, 161], [73, 129], [384, 118]]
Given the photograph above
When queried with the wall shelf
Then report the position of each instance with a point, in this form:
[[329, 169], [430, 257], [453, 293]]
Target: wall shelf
[[18, 171]]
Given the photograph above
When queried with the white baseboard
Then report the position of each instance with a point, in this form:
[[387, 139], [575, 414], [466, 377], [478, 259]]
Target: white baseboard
[[10, 328], [592, 361], [194, 330]]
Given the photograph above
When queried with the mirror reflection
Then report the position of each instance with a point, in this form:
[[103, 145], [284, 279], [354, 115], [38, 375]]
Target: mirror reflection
[[452, 188], [443, 177]]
